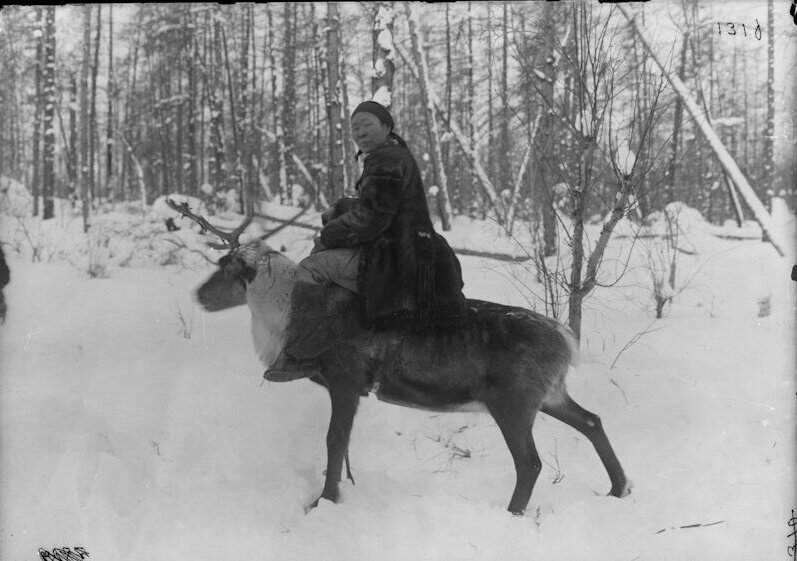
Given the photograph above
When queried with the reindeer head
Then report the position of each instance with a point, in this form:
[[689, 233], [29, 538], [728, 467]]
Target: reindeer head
[[226, 288], [238, 269]]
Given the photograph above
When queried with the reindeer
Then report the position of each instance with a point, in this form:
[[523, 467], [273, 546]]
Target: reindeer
[[508, 360]]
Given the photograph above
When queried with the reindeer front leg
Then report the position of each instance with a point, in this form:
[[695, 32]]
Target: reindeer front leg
[[345, 397]]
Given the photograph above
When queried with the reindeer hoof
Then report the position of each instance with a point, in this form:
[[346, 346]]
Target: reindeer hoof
[[622, 491], [331, 496], [311, 506]]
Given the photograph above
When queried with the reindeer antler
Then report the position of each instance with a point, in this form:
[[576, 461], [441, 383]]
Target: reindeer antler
[[230, 238]]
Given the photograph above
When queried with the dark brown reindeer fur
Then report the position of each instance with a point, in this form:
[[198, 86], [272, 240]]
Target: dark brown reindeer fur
[[510, 360]]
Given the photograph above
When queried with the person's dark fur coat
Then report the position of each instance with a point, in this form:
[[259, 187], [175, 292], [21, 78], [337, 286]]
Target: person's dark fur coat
[[409, 276]]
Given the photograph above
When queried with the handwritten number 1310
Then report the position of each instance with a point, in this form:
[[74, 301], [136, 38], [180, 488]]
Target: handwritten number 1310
[[731, 29]]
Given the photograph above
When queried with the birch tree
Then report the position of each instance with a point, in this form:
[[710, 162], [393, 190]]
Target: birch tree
[[383, 57], [600, 150], [335, 176], [442, 195]]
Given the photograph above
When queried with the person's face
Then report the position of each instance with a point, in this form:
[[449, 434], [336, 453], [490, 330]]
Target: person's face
[[368, 131]]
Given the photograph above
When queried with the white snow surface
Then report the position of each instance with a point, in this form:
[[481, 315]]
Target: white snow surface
[[136, 425]]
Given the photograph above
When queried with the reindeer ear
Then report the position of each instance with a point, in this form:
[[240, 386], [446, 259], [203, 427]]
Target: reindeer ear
[[237, 266], [248, 273]]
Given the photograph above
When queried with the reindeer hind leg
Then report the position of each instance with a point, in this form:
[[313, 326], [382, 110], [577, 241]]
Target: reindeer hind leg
[[563, 407]]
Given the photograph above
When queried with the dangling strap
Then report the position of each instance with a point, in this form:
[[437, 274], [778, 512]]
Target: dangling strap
[[426, 295]]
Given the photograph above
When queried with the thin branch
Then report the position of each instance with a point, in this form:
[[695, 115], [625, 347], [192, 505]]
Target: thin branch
[[633, 341]]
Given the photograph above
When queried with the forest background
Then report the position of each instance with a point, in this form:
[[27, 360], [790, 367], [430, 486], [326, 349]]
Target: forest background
[[518, 112]]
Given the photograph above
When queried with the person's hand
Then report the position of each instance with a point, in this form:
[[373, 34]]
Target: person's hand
[[329, 214], [318, 245]]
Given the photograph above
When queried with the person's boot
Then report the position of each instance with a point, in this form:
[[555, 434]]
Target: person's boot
[[313, 328], [287, 368]]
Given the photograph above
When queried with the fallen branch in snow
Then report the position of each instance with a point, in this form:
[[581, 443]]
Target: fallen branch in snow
[[491, 255], [760, 212], [690, 526]]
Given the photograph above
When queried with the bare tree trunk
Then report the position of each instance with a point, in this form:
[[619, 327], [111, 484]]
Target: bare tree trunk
[[384, 68], [71, 148], [504, 171], [349, 165], [48, 175], [192, 59], [672, 168], [545, 177], [288, 131], [769, 134], [469, 110], [37, 119], [245, 114], [218, 156], [111, 94], [130, 115], [93, 191], [315, 68], [490, 120], [237, 163], [85, 120], [443, 198], [335, 176], [279, 144], [449, 65], [177, 104]]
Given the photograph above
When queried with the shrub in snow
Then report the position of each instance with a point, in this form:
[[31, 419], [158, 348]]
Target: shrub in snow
[[669, 247], [15, 197], [98, 253]]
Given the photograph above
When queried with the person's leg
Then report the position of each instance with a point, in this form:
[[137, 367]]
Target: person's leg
[[313, 311], [331, 265]]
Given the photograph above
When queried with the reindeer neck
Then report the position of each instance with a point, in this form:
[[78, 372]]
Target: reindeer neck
[[269, 297]]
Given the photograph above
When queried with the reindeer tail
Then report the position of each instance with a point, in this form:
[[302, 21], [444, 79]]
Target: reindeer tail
[[572, 344]]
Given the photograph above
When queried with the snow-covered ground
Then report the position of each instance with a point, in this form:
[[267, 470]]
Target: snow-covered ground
[[137, 426]]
